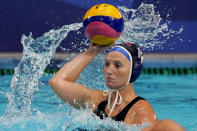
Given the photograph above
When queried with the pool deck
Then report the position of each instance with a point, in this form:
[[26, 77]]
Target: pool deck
[[154, 56]]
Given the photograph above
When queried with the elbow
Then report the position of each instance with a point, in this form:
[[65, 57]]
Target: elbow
[[55, 81], [52, 82]]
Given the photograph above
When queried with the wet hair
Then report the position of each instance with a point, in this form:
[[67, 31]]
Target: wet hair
[[134, 55]]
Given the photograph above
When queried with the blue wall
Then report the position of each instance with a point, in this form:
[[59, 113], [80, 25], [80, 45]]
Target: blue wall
[[19, 17]]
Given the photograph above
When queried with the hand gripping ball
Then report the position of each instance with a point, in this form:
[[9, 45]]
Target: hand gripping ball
[[103, 24]]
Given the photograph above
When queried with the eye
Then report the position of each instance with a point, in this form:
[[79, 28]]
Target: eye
[[107, 64], [117, 65]]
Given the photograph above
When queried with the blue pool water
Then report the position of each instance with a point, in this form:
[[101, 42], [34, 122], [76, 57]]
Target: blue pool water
[[172, 97]]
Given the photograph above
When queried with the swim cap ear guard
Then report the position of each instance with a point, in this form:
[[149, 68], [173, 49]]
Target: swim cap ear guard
[[136, 55], [137, 64]]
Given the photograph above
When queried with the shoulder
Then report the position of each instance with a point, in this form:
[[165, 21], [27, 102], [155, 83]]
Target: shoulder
[[142, 105], [142, 111]]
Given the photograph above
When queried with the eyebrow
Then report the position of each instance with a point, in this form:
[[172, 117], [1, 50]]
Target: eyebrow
[[116, 61]]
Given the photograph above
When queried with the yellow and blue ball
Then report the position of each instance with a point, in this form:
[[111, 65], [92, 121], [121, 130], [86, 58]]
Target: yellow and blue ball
[[103, 24]]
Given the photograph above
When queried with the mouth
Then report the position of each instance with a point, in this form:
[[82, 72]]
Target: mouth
[[108, 79]]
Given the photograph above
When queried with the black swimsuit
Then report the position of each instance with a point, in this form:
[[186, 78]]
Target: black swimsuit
[[100, 111]]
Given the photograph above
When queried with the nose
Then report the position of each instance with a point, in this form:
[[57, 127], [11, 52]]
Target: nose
[[108, 70]]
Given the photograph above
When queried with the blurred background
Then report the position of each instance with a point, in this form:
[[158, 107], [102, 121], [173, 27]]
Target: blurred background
[[19, 17]]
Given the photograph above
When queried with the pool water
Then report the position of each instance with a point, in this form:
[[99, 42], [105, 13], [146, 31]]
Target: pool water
[[172, 97]]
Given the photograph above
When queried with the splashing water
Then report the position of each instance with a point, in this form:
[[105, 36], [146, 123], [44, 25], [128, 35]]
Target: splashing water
[[36, 56], [143, 27]]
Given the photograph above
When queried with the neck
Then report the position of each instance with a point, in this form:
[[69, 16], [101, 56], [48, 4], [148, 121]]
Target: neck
[[127, 93], [116, 97]]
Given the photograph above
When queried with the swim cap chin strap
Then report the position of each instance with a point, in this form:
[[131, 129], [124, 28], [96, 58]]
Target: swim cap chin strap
[[110, 91], [116, 102]]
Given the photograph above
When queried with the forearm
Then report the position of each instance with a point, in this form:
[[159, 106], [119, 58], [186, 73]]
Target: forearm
[[71, 70]]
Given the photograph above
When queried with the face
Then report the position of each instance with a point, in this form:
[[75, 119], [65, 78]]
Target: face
[[116, 70]]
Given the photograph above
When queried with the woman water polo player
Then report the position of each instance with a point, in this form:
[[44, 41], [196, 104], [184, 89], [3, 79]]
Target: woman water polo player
[[123, 65]]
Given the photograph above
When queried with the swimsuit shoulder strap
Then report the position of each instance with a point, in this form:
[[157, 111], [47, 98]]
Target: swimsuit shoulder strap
[[100, 110], [121, 116]]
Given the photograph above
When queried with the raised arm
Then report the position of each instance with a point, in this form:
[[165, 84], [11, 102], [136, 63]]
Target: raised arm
[[63, 82]]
